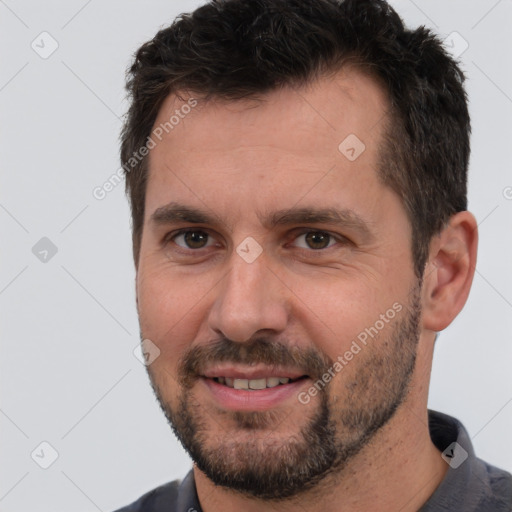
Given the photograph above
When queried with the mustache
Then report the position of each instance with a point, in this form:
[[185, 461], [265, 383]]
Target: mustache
[[259, 351]]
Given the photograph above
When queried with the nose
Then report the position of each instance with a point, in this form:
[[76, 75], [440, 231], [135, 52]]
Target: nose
[[250, 298]]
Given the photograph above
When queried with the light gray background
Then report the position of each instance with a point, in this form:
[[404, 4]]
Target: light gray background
[[69, 326]]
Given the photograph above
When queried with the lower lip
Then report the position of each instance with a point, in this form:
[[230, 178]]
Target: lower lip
[[256, 400]]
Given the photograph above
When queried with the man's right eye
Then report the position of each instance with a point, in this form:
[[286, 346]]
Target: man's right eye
[[191, 239]]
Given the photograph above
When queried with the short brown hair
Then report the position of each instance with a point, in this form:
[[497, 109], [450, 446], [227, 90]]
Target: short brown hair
[[239, 49]]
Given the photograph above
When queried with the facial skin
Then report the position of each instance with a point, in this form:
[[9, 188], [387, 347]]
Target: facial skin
[[298, 307]]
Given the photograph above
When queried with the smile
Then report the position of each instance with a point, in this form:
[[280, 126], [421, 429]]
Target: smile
[[253, 390], [254, 384]]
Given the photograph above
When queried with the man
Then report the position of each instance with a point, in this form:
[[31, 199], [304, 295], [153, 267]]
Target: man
[[297, 177]]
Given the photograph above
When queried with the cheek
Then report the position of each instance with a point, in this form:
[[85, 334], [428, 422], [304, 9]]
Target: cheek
[[335, 298], [338, 313], [169, 309], [168, 318]]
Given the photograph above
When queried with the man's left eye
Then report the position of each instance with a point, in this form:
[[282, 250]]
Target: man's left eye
[[316, 240]]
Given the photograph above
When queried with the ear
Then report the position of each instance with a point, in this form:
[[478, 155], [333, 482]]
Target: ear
[[449, 271]]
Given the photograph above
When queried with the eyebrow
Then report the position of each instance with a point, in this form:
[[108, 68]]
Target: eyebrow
[[176, 212]]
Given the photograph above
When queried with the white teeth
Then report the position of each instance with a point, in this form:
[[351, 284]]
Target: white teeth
[[258, 383], [241, 384], [272, 382]]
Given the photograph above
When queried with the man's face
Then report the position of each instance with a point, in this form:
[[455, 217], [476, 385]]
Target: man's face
[[263, 290]]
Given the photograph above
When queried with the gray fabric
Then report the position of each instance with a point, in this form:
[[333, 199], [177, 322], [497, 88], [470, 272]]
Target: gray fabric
[[473, 486], [171, 497]]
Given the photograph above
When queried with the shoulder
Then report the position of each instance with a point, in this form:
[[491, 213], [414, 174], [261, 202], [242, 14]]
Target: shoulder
[[498, 492], [471, 484], [165, 495]]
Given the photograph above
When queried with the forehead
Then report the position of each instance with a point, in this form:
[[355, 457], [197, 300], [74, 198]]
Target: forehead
[[334, 106], [279, 147]]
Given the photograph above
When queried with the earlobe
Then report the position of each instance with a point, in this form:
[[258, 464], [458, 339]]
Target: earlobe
[[449, 271]]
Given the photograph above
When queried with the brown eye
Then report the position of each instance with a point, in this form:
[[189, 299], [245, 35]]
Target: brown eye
[[191, 239], [318, 239]]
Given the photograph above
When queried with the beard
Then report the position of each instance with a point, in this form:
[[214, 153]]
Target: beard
[[246, 451]]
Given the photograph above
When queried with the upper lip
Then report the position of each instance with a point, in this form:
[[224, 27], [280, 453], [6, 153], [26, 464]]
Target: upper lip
[[250, 372]]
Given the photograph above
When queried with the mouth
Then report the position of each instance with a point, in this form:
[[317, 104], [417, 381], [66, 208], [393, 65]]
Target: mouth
[[256, 384], [253, 389]]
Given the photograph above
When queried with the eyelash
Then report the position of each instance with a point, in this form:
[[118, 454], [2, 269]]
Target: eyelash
[[338, 238]]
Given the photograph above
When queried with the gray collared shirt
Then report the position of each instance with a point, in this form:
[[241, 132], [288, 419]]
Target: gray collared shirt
[[470, 484]]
